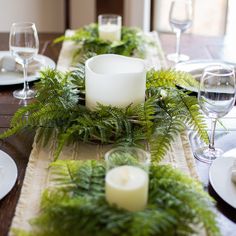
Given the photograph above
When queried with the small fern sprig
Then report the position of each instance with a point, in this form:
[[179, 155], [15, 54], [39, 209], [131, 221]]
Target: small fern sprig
[[169, 78]]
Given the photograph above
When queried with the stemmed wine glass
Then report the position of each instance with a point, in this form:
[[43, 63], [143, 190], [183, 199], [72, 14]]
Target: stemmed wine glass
[[24, 45], [216, 97], [180, 19]]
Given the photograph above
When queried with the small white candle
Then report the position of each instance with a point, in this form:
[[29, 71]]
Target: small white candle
[[114, 80], [109, 27], [110, 32], [127, 187]]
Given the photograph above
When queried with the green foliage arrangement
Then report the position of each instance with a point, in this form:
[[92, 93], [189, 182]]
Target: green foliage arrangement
[[177, 205], [133, 42], [59, 107]]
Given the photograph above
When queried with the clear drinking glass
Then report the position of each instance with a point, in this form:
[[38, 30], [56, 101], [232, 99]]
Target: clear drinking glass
[[216, 98], [180, 19], [24, 45], [127, 156]]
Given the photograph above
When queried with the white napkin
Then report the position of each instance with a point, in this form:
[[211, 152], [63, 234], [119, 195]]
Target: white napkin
[[8, 64]]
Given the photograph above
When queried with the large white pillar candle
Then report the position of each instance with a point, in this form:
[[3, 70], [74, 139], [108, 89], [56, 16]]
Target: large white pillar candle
[[114, 80], [127, 187]]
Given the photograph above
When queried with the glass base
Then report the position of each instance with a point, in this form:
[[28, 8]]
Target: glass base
[[207, 155], [177, 58], [24, 94]]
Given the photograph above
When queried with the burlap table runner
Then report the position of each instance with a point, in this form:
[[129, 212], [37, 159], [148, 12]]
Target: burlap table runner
[[37, 176]]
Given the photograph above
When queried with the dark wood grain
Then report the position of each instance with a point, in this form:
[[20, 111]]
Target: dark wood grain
[[19, 147], [110, 7], [67, 5]]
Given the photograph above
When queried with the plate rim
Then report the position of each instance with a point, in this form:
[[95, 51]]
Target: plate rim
[[31, 78], [14, 174], [212, 182], [200, 61]]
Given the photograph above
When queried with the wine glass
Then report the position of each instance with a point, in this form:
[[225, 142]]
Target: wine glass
[[216, 97], [180, 19], [24, 45]]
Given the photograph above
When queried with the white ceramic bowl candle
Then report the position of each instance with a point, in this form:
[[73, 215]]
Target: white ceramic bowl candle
[[126, 182], [109, 27], [114, 80]]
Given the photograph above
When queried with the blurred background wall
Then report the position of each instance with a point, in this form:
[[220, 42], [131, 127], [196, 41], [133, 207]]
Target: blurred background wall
[[47, 14], [211, 17]]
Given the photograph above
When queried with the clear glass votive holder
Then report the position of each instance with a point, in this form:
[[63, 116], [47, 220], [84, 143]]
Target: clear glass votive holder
[[126, 181], [109, 27]]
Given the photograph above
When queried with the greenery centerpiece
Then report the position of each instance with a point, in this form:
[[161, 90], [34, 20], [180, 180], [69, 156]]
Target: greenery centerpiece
[[59, 106], [77, 204], [177, 205]]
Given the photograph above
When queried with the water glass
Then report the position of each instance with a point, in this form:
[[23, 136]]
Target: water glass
[[24, 45], [180, 19], [216, 98]]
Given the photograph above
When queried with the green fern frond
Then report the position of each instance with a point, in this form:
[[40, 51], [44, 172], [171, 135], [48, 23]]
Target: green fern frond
[[22, 113], [170, 78], [73, 177], [160, 141], [193, 116]]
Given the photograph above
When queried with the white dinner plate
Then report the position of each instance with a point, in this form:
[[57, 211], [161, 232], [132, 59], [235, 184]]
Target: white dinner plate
[[220, 177], [196, 67], [11, 78], [8, 174]]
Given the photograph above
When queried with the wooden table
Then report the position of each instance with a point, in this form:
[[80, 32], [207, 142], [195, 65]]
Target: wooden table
[[19, 146]]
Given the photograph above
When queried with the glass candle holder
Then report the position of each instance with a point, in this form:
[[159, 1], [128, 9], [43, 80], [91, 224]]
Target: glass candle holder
[[109, 27], [126, 183]]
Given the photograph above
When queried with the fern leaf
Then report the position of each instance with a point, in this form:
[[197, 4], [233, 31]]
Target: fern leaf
[[194, 117]]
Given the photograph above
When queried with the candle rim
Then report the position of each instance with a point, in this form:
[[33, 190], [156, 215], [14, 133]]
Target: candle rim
[[107, 15], [90, 60]]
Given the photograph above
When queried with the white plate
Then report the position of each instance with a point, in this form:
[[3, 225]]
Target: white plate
[[196, 67], [10, 78], [8, 174], [220, 177]]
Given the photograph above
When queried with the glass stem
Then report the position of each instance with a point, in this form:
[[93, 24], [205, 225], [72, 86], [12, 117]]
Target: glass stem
[[212, 136], [178, 35], [26, 84]]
